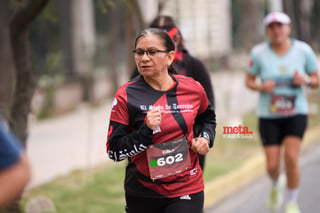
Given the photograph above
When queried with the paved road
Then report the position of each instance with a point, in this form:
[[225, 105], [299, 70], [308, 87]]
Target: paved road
[[252, 198], [77, 140], [73, 141]]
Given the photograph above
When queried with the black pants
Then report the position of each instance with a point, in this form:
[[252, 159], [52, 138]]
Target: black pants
[[273, 131], [186, 204]]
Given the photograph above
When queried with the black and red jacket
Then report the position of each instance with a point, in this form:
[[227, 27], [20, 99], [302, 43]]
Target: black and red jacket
[[129, 137]]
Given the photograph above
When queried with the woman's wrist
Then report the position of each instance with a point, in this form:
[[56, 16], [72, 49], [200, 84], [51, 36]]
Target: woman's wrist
[[259, 88], [308, 81]]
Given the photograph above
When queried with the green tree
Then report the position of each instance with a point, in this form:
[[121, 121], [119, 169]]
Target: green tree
[[6, 62], [247, 28], [300, 13]]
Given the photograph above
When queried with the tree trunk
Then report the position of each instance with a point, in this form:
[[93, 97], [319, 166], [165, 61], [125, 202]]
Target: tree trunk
[[84, 44], [7, 72], [249, 31], [83, 36], [275, 5], [77, 38], [130, 36], [134, 23], [138, 14], [304, 19], [66, 37], [289, 7], [25, 83], [316, 25], [25, 86], [113, 46], [301, 19], [161, 5]]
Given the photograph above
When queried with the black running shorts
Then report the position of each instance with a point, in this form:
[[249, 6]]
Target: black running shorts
[[186, 204], [273, 131]]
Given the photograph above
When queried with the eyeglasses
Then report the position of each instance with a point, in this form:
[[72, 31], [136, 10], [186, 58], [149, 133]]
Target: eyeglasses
[[150, 52]]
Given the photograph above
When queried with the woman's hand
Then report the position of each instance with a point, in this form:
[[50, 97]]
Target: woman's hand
[[298, 79], [200, 145], [154, 118], [268, 86]]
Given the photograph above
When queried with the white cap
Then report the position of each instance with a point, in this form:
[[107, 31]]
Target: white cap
[[279, 17]]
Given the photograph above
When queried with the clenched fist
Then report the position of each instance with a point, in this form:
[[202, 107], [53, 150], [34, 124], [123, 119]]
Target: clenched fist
[[154, 118], [298, 79], [268, 86], [200, 145]]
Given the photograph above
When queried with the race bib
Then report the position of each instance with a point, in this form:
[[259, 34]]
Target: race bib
[[282, 105], [169, 158]]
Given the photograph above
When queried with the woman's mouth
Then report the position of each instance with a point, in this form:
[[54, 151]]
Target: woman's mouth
[[145, 67]]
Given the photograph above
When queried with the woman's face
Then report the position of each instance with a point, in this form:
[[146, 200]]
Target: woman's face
[[152, 63], [278, 32]]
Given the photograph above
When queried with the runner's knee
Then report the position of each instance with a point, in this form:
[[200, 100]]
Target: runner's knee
[[273, 167], [291, 160]]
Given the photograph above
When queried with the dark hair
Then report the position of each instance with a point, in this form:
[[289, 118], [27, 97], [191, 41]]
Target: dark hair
[[168, 43], [167, 23]]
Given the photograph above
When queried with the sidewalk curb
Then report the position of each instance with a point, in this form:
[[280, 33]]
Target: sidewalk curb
[[224, 186]]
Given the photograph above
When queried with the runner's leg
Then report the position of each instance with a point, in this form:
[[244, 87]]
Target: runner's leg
[[144, 205], [271, 137], [295, 129], [272, 153], [292, 146], [292, 149]]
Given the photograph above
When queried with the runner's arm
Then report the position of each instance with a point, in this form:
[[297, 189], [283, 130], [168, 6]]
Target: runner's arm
[[311, 67], [14, 167], [251, 83], [13, 180], [206, 122], [122, 143], [314, 80]]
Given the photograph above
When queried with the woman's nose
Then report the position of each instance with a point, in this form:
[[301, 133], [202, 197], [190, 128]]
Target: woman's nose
[[145, 56]]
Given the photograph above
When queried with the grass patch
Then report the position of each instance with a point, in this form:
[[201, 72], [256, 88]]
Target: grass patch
[[97, 190]]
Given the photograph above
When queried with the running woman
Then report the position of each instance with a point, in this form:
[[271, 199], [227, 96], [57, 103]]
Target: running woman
[[285, 66], [151, 125], [184, 63]]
